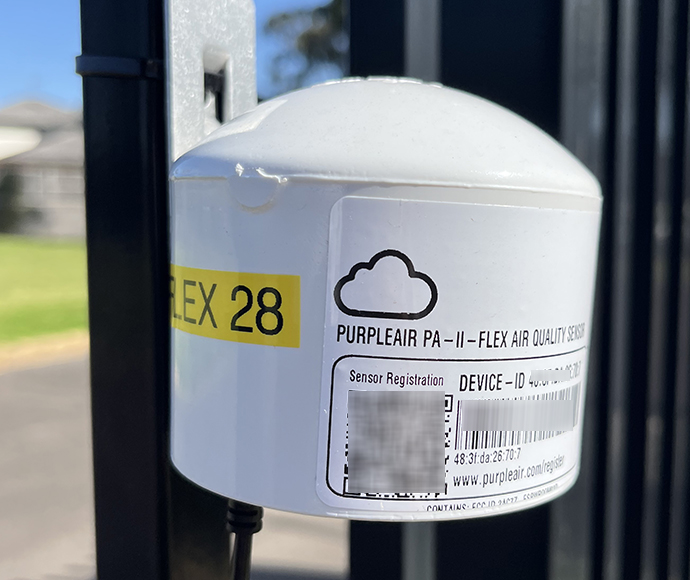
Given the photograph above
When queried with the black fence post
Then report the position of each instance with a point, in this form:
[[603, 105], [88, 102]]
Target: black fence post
[[151, 524], [126, 212]]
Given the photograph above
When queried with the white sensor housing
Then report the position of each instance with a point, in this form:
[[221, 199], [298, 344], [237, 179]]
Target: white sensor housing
[[381, 299]]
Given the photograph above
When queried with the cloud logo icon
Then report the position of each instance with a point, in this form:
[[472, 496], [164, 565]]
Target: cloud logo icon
[[387, 286]]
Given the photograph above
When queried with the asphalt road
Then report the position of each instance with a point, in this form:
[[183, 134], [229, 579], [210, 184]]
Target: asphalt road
[[46, 495], [46, 512]]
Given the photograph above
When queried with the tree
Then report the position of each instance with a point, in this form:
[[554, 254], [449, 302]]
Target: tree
[[316, 45]]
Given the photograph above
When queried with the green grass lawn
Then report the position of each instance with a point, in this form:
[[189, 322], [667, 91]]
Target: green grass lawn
[[42, 287]]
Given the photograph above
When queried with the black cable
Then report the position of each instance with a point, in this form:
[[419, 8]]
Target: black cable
[[244, 520]]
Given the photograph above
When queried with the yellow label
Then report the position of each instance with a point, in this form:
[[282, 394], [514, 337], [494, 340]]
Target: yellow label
[[237, 306]]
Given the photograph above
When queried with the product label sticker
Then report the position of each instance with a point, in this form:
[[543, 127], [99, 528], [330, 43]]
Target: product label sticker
[[455, 352], [236, 306]]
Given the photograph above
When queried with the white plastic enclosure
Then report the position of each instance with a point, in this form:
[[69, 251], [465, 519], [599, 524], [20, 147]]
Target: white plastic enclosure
[[381, 297]]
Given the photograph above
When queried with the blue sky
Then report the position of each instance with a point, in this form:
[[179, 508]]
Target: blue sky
[[39, 40]]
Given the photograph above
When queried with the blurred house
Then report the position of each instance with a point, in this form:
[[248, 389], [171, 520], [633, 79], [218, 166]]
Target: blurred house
[[41, 171]]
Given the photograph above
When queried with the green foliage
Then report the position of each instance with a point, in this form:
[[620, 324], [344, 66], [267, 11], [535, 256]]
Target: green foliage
[[42, 287]]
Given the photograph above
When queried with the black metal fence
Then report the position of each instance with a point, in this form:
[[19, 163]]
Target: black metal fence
[[609, 78]]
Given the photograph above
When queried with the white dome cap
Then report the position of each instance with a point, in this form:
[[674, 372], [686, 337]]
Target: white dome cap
[[392, 131]]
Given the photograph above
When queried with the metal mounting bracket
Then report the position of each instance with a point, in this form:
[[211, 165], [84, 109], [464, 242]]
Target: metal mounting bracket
[[211, 67]]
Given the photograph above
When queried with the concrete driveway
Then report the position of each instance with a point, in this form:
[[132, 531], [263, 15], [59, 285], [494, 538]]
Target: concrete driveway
[[46, 494]]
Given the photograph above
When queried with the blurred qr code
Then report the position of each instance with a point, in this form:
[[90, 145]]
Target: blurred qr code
[[396, 442]]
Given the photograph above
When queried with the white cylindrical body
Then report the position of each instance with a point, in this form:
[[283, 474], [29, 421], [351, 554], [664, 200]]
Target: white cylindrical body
[[381, 296]]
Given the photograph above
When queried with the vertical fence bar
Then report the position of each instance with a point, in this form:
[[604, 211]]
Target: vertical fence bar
[[419, 551], [126, 214], [377, 37], [375, 551], [663, 299], [621, 207], [423, 39], [508, 52], [199, 539], [679, 508], [585, 82], [585, 122], [631, 204]]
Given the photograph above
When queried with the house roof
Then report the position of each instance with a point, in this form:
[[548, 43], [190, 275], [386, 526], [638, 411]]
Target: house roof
[[40, 116]]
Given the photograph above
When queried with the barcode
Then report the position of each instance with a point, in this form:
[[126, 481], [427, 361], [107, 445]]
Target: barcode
[[487, 424]]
